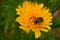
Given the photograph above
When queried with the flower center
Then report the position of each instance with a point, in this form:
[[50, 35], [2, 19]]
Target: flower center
[[38, 20]]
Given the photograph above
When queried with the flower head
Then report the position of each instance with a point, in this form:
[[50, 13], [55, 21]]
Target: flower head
[[34, 17]]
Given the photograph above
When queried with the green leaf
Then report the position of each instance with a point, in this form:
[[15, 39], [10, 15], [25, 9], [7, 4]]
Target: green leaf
[[56, 23], [30, 36], [2, 37], [53, 5], [53, 1]]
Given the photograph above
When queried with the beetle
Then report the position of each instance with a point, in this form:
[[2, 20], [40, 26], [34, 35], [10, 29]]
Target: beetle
[[38, 20]]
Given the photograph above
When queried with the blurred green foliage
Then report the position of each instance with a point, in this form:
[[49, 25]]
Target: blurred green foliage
[[9, 29]]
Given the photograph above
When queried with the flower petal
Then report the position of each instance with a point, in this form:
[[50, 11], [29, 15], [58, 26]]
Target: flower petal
[[48, 27], [44, 29], [37, 34], [27, 30]]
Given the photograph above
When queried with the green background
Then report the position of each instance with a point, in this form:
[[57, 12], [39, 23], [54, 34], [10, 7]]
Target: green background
[[9, 29]]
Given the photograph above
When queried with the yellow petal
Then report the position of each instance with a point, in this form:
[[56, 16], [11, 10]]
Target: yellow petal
[[41, 5], [27, 30], [48, 27], [37, 34], [22, 27], [43, 29], [51, 17], [50, 23]]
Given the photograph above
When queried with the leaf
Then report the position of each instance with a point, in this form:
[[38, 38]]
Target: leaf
[[29, 36], [53, 1], [53, 5], [2, 37], [56, 23]]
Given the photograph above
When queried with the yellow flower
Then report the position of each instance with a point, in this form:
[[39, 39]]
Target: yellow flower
[[34, 17]]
